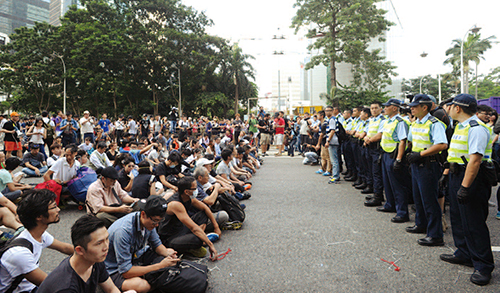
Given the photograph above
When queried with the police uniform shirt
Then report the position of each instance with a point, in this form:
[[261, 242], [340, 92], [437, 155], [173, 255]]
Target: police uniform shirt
[[340, 118], [361, 126], [401, 131], [479, 137], [437, 131], [374, 119], [351, 125], [346, 123]]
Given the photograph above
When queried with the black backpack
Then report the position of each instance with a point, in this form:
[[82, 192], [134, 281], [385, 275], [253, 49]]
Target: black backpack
[[185, 276], [232, 206], [341, 134], [4, 246]]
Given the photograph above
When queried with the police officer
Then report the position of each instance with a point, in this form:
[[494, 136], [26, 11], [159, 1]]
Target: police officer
[[428, 138], [364, 172], [346, 148], [470, 149], [372, 142], [395, 173], [353, 160]]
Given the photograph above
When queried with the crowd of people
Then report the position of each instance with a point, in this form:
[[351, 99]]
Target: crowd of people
[[154, 191], [421, 155]]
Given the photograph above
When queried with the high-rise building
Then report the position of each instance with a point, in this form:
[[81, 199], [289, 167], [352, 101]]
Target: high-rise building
[[18, 13], [58, 8]]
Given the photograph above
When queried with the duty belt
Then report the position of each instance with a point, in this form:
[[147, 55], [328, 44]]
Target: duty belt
[[456, 168]]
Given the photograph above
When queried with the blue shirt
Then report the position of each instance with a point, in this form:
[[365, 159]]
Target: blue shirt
[[73, 121], [127, 242], [104, 123], [401, 131], [437, 132]]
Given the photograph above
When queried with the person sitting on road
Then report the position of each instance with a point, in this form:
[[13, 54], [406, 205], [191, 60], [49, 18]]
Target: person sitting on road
[[168, 170], [311, 149], [129, 258], [56, 150], [184, 233], [125, 175], [106, 199], [8, 214], [36, 211], [8, 187], [144, 183], [98, 158], [34, 162], [85, 269], [87, 145], [64, 169], [225, 172]]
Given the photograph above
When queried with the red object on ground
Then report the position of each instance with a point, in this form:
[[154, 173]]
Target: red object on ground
[[223, 255], [396, 268]]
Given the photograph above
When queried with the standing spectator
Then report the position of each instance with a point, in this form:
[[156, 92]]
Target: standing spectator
[[57, 119], [119, 128], [132, 127], [144, 131], [237, 124], [265, 133], [34, 161], [105, 124], [262, 113], [49, 130], [279, 126], [156, 125], [173, 117], [87, 126], [36, 211], [37, 134], [12, 130], [69, 126]]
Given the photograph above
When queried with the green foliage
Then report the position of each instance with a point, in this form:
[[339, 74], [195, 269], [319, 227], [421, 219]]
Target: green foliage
[[343, 30], [125, 57], [350, 97], [430, 86], [488, 86]]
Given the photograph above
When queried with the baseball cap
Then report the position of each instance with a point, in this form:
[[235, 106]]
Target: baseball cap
[[393, 102], [465, 100], [433, 99], [110, 172], [14, 114], [203, 162], [420, 99], [86, 112]]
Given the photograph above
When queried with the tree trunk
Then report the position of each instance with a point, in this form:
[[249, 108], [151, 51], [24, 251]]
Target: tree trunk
[[333, 69], [114, 103], [236, 94]]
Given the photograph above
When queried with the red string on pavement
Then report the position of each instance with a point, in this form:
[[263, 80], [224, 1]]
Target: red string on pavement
[[396, 268], [223, 255]]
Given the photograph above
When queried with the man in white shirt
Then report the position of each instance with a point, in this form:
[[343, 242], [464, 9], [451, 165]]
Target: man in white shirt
[[98, 158], [132, 126], [64, 169], [87, 126], [36, 211], [56, 150]]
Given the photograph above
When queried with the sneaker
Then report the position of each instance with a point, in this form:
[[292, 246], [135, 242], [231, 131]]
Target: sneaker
[[243, 206], [498, 216], [247, 186], [327, 174], [334, 181], [213, 237], [200, 252], [319, 171], [232, 225]]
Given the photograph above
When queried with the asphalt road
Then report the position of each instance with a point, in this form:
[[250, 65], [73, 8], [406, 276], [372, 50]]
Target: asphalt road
[[304, 235]]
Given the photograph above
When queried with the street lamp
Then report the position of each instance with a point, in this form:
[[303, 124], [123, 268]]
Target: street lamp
[[64, 68], [474, 30], [180, 88], [279, 79]]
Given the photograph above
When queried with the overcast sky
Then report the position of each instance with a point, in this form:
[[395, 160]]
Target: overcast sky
[[426, 25]]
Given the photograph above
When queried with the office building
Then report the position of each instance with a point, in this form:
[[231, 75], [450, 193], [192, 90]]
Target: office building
[[19, 13]]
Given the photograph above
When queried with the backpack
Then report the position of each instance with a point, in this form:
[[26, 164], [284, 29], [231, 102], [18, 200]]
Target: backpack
[[185, 276], [52, 186], [78, 186], [341, 134], [232, 206], [8, 245], [50, 132]]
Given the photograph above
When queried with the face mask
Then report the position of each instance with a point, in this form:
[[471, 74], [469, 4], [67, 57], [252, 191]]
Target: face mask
[[195, 193], [172, 166]]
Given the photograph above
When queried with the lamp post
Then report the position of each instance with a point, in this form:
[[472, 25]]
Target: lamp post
[[423, 55], [180, 88], [474, 30], [279, 79], [64, 68]]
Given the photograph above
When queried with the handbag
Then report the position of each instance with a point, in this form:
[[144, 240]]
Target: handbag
[[184, 277]]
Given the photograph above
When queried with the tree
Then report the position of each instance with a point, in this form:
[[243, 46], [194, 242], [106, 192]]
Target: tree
[[344, 30], [473, 50], [241, 71], [489, 85], [430, 86]]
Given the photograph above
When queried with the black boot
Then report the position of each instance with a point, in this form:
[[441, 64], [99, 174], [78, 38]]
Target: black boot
[[361, 186], [367, 190], [357, 182], [375, 201], [345, 172], [351, 178]]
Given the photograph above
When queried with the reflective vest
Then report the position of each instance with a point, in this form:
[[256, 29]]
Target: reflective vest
[[354, 123], [459, 146], [373, 125], [346, 122], [388, 143], [420, 133]]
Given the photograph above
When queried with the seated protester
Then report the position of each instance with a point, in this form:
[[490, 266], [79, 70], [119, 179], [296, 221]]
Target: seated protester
[[171, 167], [144, 183], [126, 176], [248, 156], [225, 171], [56, 150], [217, 149], [247, 163], [226, 140], [87, 145], [8, 187], [202, 178], [138, 152], [112, 151], [312, 150], [134, 244], [2, 160], [184, 233], [85, 269], [64, 169], [236, 167], [106, 199], [36, 211], [120, 160], [174, 144], [34, 162], [213, 177], [98, 158], [154, 155], [8, 214]]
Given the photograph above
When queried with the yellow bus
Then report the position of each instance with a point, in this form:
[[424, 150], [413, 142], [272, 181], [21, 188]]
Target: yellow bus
[[307, 109]]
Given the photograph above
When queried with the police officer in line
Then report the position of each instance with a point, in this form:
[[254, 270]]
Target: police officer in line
[[469, 190], [372, 143], [364, 172], [346, 148], [340, 119], [428, 138], [395, 172], [350, 130]]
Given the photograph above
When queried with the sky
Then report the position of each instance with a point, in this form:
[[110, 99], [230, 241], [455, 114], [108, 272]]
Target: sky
[[425, 26]]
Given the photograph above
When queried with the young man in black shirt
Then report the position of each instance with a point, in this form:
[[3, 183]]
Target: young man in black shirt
[[265, 133], [85, 269], [12, 128]]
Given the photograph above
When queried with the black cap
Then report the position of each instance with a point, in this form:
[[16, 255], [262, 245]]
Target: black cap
[[110, 172], [421, 99]]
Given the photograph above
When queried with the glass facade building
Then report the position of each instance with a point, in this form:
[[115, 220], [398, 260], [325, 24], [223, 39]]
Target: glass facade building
[[18, 13]]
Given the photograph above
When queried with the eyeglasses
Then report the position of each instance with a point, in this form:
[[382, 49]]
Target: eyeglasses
[[155, 222]]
